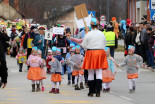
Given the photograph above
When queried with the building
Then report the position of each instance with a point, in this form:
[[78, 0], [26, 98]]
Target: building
[[8, 12], [137, 10], [131, 4]]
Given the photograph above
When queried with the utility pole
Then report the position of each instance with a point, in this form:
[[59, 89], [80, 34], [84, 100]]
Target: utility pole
[[107, 10], [101, 3]]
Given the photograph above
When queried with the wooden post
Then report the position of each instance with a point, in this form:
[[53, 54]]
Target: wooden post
[[84, 22]]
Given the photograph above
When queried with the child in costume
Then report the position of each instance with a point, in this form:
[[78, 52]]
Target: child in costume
[[48, 59], [133, 63], [68, 67], [107, 75], [62, 61], [34, 73], [76, 61], [20, 53], [56, 70], [43, 72]]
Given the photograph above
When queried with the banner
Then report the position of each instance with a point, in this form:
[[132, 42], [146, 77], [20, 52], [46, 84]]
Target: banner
[[58, 30], [29, 43], [22, 59], [48, 35]]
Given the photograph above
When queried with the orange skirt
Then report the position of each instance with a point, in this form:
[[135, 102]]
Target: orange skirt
[[34, 73], [132, 76], [77, 72], [56, 77], [43, 73], [95, 59], [107, 76]]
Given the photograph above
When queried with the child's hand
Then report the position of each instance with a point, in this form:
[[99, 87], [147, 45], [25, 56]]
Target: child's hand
[[137, 66]]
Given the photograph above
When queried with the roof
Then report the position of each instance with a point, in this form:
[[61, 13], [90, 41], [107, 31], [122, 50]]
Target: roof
[[23, 16]]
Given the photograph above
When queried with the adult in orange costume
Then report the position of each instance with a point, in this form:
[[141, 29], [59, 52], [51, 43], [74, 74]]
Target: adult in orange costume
[[95, 58], [115, 25]]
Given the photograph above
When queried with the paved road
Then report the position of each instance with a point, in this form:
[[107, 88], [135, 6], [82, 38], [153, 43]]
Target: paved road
[[18, 90]]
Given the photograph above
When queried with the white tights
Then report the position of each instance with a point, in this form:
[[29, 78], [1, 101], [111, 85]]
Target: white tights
[[57, 83], [35, 82], [91, 73], [42, 83], [80, 78], [106, 85], [132, 82]]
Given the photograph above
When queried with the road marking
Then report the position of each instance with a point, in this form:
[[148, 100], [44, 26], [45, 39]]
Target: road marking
[[11, 99], [126, 98], [11, 88], [71, 101], [10, 102]]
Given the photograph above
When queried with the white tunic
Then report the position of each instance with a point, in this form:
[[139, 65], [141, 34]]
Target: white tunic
[[95, 39]]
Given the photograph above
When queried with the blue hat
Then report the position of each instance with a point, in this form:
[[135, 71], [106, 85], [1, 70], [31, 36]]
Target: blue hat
[[34, 48], [94, 21], [77, 47], [73, 49], [54, 49], [39, 51], [131, 48], [58, 50], [72, 45], [107, 48]]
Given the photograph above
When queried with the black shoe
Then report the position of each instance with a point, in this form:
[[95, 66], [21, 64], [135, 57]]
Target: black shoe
[[33, 87], [69, 82], [38, 88], [98, 87], [90, 94], [77, 87], [98, 94], [91, 85], [81, 85], [20, 71]]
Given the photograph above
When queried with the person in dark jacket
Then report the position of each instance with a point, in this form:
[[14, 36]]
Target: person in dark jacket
[[4, 38], [129, 39], [150, 46], [143, 46], [62, 43], [3, 68], [30, 35]]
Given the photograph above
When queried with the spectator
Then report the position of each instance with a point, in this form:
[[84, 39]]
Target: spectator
[[138, 41], [4, 38], [62, 43], [151, 44], [3, 68], [143, 46]]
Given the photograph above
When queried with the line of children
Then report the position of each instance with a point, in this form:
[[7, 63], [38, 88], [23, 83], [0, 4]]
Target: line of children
[[133, 63], [43, 72], [20, 53], [34, 73], [107, 75], [76, 61], [56, 70]]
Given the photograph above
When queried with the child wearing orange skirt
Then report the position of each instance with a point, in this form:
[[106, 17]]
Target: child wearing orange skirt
[[133, 63], [107, 75], [56, 70], [76, 61], [34, 73], [43, 72]]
